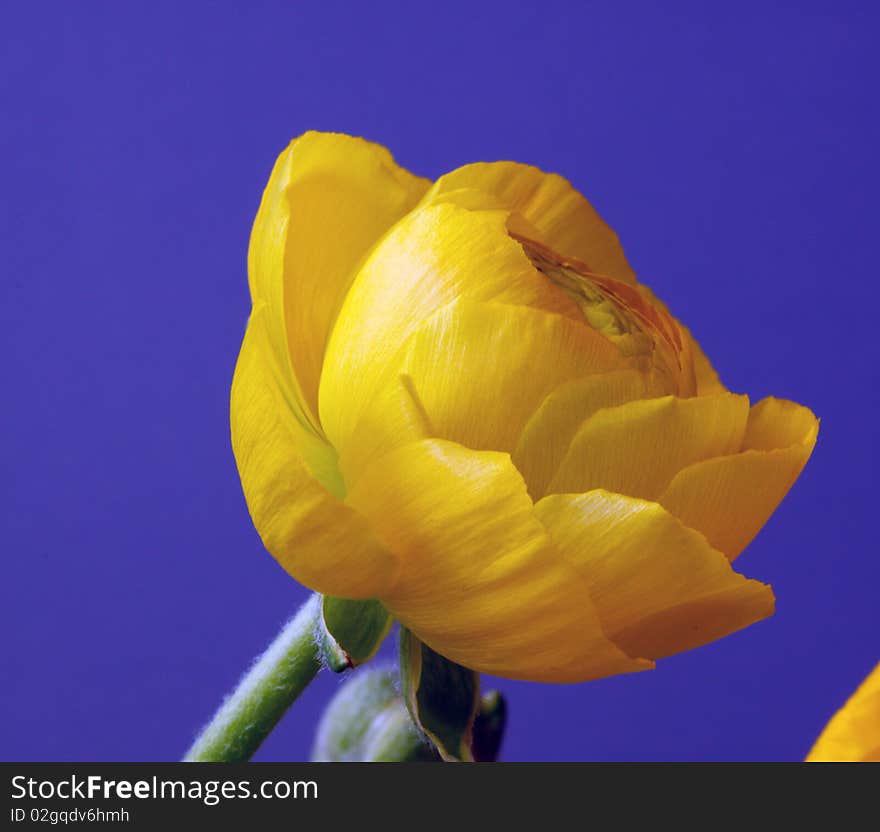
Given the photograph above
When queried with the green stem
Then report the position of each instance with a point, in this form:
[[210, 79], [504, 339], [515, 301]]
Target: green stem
[[265, 692]]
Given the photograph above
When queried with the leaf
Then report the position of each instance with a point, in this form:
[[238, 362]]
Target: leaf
[[350, 632]]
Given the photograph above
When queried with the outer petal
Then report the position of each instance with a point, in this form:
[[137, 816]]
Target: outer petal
[[777, 423], [567, 222], [730, 498], [319, 540], [638, 447], [329, 199], [853, 735], [547, 435], [432, 257], [480, 581], [658, 586]]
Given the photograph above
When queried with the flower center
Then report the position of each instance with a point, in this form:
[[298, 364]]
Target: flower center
[[623, 314]]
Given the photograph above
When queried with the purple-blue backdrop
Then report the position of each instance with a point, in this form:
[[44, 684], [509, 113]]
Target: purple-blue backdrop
[[734, 150]]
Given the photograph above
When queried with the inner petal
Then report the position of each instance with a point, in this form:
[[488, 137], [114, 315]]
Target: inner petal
[[638, 447]]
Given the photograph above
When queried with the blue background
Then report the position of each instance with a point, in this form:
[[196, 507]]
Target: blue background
[[733, 147]]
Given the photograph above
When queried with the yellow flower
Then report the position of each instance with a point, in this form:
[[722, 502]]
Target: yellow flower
[[456, 398], [853, 735]]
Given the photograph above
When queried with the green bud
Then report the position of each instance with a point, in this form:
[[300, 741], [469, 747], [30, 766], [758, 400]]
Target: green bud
[[350, 632], [367, 721], [442, 697], [394, 738], [489, 727]]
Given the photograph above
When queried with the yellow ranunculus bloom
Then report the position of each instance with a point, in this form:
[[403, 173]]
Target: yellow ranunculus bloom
[[853, 735], [456, 398]]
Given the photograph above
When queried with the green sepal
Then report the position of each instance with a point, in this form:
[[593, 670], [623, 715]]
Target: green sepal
[[367, 721], [489, 727], [442, 697], [350, 632]]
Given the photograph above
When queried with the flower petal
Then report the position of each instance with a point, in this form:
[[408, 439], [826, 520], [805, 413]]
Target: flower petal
[[567, 222], [777, 423], [329, 199], [319, 540], [708, 381], [730, 498], [853, 734], [638, 447], [480, 581], [394, 417], [546, 437], [432, 257], [478, 371], [658, 586], [706, 378]]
